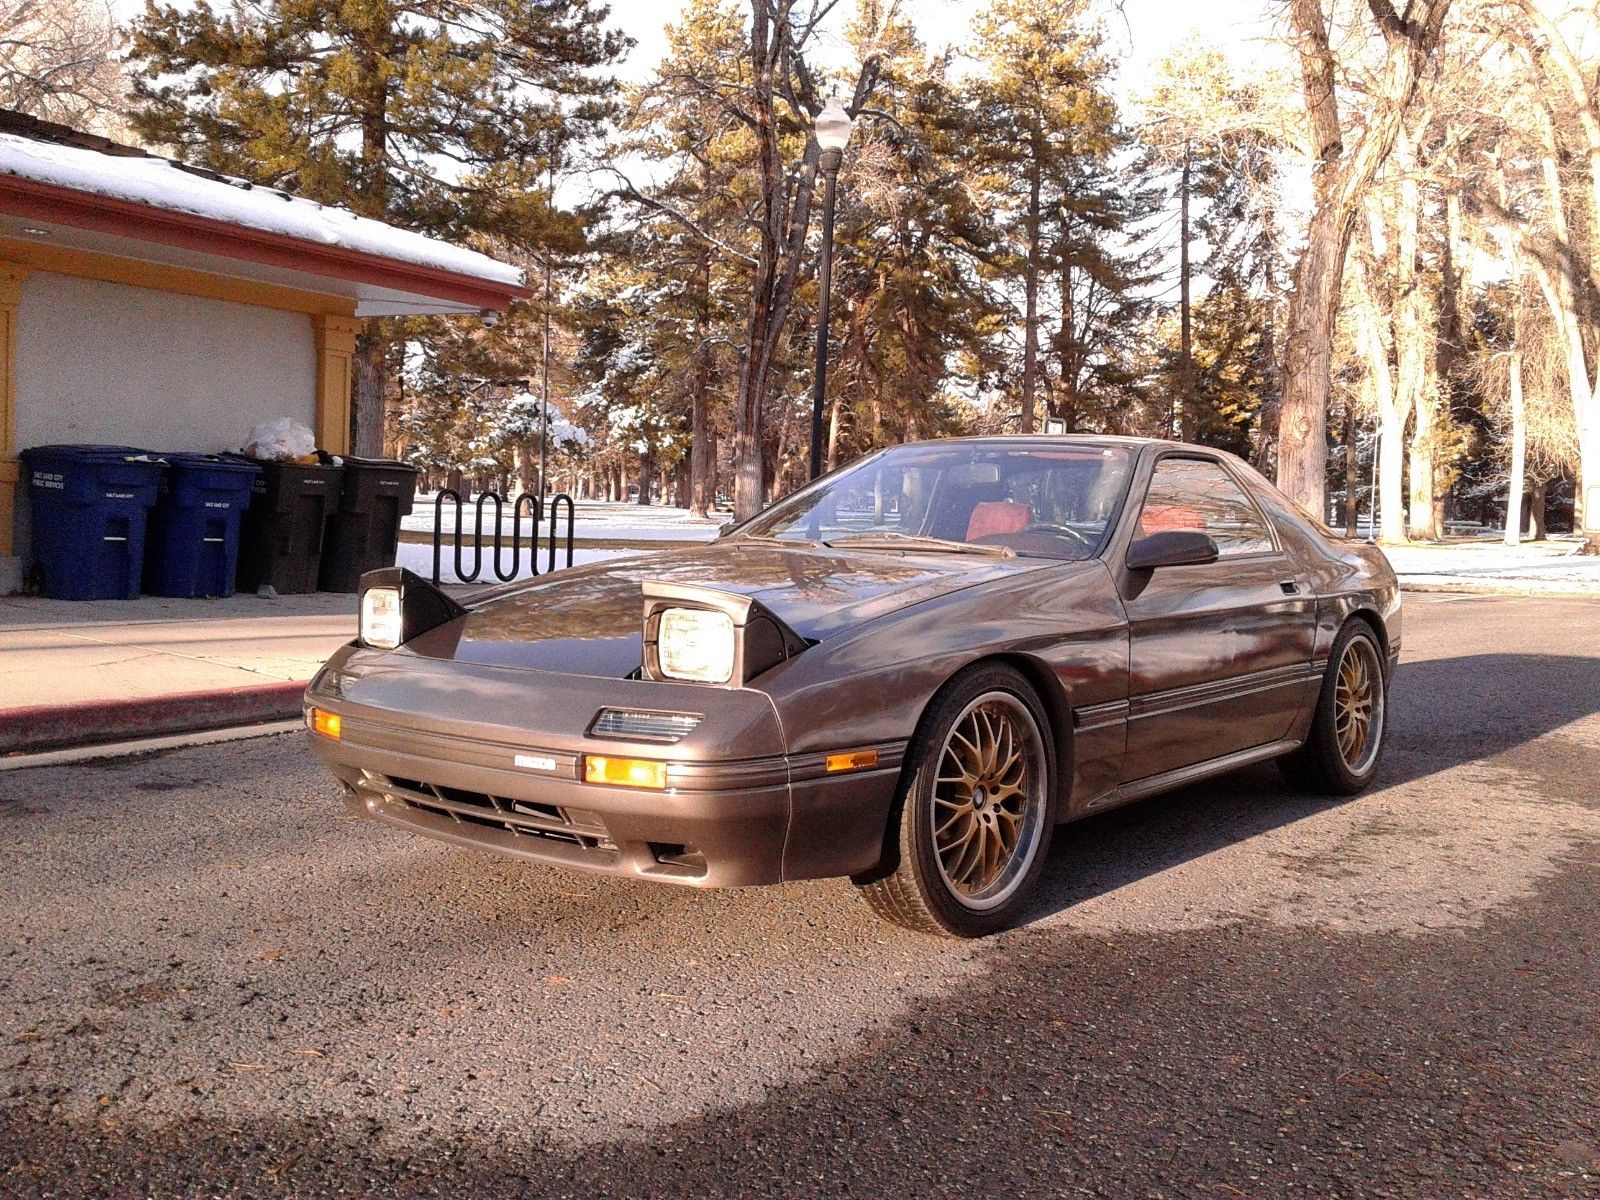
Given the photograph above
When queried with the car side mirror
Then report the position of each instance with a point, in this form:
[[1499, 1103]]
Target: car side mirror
[[1171, 548]]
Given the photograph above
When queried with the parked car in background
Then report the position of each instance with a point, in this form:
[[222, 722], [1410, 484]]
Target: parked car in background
[[908, 673]]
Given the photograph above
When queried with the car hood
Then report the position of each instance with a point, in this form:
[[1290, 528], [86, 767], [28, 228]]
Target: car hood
[[587, 621]]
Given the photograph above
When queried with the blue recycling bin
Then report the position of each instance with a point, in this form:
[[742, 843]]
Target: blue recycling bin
[[90, 505], [192, 546]]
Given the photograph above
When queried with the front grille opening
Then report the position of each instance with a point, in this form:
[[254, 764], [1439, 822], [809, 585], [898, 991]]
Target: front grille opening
[[548, 811], [523, 818], [462, 796]]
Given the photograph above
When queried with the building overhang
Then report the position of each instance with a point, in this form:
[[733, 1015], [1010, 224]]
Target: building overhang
[[48, 214]]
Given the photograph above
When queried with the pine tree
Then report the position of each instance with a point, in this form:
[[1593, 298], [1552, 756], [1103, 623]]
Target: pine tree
[[1208, 131], [913, 325], [1044, 130], [688, 237], [442, 120]]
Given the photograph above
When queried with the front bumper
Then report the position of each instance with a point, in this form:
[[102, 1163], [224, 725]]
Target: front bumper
[[756, 820]]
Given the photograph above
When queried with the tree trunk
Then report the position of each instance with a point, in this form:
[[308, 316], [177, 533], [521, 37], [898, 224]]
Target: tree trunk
[[1586, 505], [1352, 472], [833, 433], [1392, 412], [1519, 449], [1030, 336], [683, 484], [702, 448], [1183, 403], [1416, 336], [1341, 178], [1420, 524], [1308, 359], [1067, 402], [368, 384], [1536, 510]]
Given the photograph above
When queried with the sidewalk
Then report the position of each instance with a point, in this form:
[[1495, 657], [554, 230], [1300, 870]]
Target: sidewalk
[[74, 673]]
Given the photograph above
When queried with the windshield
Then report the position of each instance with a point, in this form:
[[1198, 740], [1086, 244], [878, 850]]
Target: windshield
[[1054, 499]]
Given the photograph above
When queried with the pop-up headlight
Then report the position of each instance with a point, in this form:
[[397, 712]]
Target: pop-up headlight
[[397, 605], [696, 644], [700, 635], [381, 624]]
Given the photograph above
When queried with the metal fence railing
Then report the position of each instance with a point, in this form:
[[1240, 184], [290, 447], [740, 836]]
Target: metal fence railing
[[524, 508]]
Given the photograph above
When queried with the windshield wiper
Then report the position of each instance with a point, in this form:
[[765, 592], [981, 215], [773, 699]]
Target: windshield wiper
[[890, 540]]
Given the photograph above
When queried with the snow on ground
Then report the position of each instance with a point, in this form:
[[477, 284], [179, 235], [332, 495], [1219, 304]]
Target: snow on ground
[[1540, 565], [420, 559], [593, 519]]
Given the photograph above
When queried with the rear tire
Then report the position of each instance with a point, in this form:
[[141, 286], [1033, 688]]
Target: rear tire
[[973, 822], [1347, 737]]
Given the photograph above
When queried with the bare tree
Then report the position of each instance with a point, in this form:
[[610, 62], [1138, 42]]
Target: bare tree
[[58, 60], [1346, 159], [1565, 262], [778, 102]]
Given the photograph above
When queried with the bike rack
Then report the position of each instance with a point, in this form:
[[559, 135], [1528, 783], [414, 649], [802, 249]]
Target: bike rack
[[524, 505]]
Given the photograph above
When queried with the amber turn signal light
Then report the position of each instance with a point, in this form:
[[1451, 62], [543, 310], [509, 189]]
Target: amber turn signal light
[[327, 724], [625, 772], [852, 760]]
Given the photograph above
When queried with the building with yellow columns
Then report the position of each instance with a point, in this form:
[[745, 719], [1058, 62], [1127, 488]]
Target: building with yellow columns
[[146, 303]]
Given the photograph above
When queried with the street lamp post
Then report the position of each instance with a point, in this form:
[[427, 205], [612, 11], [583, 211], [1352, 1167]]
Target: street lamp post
[[833, 133], [544, 356]]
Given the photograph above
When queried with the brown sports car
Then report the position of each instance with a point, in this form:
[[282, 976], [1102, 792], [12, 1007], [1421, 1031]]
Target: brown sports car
[[908, 673]]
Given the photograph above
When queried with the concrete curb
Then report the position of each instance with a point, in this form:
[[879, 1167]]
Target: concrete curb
[[50, 727], [1549, 589]]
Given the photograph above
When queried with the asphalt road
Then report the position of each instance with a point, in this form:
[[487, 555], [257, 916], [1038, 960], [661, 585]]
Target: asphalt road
[[213, 981]]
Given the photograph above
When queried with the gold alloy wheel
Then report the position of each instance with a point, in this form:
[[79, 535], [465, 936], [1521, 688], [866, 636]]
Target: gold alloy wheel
[[1358, 705], [988, 800]]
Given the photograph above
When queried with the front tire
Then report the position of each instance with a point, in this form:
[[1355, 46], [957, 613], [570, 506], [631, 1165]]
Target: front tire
[[973, 822], [1341, 755]]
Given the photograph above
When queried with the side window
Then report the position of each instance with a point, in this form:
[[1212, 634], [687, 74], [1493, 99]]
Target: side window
[[1191, 493]]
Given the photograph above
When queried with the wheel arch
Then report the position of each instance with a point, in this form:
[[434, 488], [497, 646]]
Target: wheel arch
[[1058, 713], [1374, 622], [1058, 710]]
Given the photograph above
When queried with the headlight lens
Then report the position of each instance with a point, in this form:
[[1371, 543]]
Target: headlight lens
[[381, 620], [696, 644]]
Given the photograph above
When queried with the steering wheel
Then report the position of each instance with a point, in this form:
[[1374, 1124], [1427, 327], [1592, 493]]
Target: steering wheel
[[1057, 531]]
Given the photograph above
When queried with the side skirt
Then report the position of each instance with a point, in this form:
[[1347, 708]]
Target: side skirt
[[1168, 781]]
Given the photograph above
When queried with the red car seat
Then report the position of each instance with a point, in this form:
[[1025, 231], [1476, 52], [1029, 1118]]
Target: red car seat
[[1160, 518], [994, 517]]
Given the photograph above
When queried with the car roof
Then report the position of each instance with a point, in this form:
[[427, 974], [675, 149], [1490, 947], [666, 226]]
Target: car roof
[[1051, 439]]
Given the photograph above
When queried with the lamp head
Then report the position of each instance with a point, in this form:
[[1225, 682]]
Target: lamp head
[[833, 126]]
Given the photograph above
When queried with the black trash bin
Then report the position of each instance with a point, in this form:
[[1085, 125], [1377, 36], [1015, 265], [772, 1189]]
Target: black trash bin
[[280, 542], [90, 506], [365, 531]]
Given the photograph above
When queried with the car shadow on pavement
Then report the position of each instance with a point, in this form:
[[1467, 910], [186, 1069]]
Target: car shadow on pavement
[[1206, 1062], [1444, 712]]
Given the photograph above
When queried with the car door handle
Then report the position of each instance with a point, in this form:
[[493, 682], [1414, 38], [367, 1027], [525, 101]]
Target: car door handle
[[1290, 587]]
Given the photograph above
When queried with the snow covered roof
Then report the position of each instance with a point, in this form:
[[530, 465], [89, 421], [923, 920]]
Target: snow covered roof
[[115, 176]]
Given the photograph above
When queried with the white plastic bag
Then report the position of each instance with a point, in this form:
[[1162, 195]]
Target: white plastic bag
[[283, 438]]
